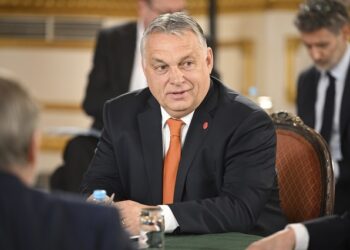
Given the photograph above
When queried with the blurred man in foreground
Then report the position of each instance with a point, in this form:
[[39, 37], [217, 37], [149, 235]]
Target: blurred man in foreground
[[31, 219]]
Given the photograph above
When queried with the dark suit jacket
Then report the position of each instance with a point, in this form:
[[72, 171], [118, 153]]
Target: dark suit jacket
[[332, 232], [112, 66], [33, 220], [226, 179], [306, 99], [111, 71]]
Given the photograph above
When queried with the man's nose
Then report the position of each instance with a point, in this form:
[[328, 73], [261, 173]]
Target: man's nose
[[176, 75], [315, 54]]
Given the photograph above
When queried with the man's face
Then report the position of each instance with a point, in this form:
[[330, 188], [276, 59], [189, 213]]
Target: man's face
[[177, 69], [157, 7], [325, 48]]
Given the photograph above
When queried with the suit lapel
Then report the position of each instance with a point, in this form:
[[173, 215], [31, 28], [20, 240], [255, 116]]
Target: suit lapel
[[195, 138], [149, 123]]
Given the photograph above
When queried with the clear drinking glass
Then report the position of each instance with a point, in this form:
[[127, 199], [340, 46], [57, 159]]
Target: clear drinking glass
[[151, 228]]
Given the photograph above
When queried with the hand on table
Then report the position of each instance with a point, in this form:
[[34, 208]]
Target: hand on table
[[130, 213], [282, 240]]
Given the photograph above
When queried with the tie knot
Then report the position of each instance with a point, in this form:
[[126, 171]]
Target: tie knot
[[174, 126]]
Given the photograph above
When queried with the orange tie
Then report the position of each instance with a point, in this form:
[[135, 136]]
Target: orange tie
[[172, 160]]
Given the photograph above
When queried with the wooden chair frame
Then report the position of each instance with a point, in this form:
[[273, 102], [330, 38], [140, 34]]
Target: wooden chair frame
[[285, 121]]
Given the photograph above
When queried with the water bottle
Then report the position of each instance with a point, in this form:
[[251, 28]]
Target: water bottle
[[99, 196]]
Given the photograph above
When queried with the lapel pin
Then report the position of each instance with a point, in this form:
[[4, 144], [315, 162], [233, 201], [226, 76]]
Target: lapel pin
[[205, 125]]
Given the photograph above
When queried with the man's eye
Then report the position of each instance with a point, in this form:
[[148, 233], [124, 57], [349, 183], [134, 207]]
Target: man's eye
[[187, 65], [161, 68]]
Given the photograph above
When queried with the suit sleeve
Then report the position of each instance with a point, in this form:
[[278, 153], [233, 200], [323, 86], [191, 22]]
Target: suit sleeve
[[247, 180], [103, 170], [332, 232], [113, 236]]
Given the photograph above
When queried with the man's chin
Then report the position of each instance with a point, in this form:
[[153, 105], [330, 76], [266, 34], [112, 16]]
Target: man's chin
[[322, 67]]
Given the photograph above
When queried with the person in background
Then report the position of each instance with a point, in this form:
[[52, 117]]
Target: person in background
[[203, 152], [323, 90], [31, 219], [331, 232], [116, 70]]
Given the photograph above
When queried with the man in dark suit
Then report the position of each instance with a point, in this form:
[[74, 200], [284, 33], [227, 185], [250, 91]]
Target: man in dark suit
[[31, 219], [116, 70], [323, 90], [223, 179], [325, 233]]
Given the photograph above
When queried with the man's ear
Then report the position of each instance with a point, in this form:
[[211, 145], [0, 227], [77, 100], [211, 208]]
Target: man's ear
[[210, 59], [345, 30], [34, 147]]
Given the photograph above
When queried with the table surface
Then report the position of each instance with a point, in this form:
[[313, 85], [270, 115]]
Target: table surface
[[232, 241]]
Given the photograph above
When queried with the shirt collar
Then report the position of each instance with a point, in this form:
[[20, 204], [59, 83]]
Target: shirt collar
[[165, 116], [339, 71]]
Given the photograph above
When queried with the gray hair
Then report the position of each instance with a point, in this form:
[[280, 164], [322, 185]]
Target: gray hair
[[173, 23], [19, 116], [317, 14]]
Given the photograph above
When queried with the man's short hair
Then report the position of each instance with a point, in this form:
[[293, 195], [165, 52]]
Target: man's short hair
[[18, 121], [174, 23], [317, 14]]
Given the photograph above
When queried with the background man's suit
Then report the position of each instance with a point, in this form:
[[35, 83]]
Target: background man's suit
[[332, 232], [110, 77], [33, 220], [227, 170], [306, 99]]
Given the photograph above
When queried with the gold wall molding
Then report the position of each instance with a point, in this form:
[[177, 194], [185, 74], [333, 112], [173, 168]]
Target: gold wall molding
[[61, 106], [292, 46], [247, 48], [54, 142], [57, 142], [40, 43], [129, 8]]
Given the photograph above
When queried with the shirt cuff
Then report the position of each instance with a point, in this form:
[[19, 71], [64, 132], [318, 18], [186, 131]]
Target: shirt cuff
[[170, 222], [301, 236]]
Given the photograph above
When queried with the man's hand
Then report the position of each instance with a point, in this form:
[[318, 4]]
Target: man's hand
[[130, 213], [282, 240]]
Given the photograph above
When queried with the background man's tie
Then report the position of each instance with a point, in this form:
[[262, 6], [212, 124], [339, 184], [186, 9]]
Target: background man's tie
[[328, 109], [172, 160]]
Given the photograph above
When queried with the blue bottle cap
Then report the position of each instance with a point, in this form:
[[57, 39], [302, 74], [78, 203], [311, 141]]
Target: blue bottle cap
[[99, 194], [253, 91]]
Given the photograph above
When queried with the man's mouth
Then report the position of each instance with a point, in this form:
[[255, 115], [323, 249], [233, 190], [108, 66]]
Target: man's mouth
[[177, 94]]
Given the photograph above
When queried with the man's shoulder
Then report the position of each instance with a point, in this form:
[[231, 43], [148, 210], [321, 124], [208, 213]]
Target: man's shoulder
[[74, 207], [234, 99], [133, 98]]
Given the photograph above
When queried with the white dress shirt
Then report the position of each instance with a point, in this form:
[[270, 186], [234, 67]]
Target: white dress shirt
[[138, 79], [169, 219], [301, 236]]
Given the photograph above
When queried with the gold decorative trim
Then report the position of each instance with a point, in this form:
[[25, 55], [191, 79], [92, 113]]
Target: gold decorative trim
[[27, 43], [129, 8], [61, 106], [247, 48], [54, 142], [292, 46]]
